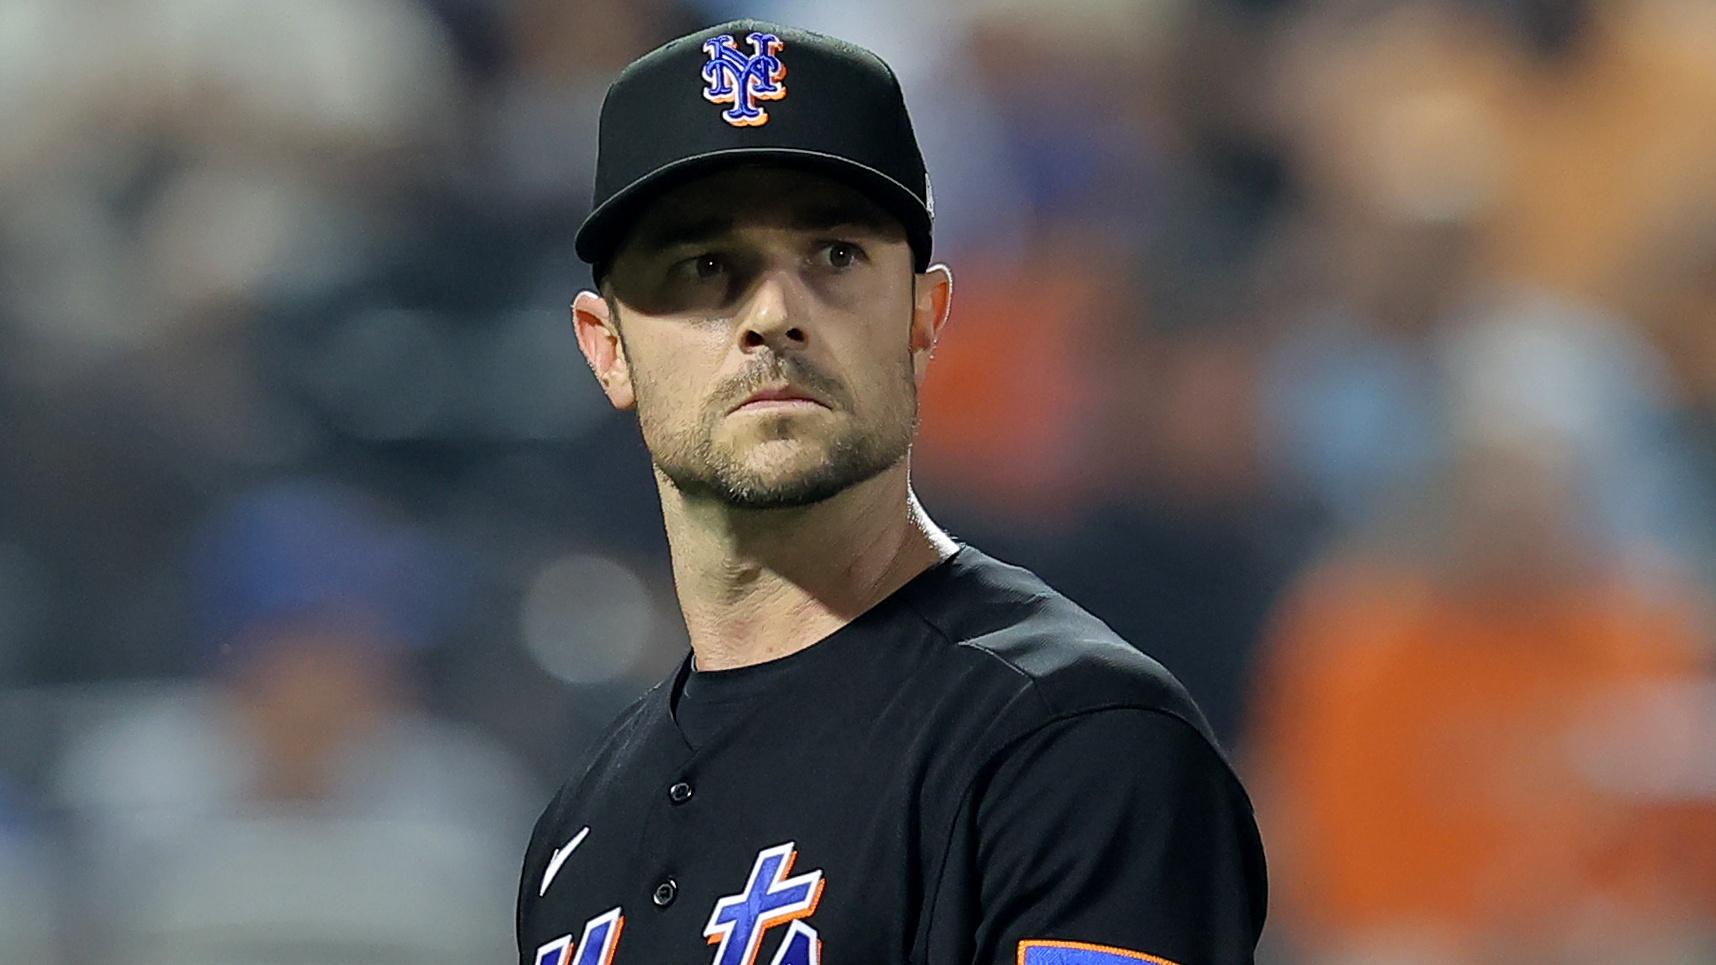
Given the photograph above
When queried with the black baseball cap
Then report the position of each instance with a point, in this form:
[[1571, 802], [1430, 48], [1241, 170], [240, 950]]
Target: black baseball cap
[[754, 92]]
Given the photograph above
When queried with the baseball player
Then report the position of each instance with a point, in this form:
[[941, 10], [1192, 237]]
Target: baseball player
[[885, 746]]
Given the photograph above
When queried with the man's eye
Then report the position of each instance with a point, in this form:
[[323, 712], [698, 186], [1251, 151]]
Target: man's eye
[[842, 254], [698, 268], [707, 266]]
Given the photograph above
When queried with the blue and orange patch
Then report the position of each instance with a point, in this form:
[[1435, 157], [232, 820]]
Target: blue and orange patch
[[1041, 952]]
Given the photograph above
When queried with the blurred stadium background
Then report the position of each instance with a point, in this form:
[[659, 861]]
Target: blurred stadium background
[[1355, 357]]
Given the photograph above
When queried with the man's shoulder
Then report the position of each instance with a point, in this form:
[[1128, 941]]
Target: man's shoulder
[[632, 724], [603, 756], [620, 739], [1040, 652]]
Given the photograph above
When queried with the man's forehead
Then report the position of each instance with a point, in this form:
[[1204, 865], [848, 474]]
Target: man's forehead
[[757, 196]]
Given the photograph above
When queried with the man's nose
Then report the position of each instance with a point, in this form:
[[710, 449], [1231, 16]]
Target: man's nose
[[770, 315]]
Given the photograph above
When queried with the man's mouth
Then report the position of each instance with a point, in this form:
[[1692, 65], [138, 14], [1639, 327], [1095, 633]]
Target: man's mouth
[[778, 397]]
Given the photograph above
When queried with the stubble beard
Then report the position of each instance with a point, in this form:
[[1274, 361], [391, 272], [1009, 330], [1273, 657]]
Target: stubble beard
[[702, 469]]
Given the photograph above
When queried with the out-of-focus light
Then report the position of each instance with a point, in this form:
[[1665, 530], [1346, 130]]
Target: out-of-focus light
[[586, 619]]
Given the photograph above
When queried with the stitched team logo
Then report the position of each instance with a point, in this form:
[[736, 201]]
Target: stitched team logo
[[741, 79], [600, 940], [1039, 952], [770, 899]]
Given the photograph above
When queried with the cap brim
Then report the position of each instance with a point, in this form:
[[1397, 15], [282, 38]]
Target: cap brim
[[600, 235]]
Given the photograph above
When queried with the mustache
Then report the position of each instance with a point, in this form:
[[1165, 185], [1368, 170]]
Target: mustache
[[776, 369]]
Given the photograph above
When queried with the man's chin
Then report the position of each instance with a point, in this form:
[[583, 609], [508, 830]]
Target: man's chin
[[779, 473], [780, 488], [775, 484]]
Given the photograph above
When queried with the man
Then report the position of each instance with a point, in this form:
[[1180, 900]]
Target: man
[[885, 745]]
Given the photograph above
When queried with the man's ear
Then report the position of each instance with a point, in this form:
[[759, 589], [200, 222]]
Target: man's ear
[[599, 340], [932, 300]]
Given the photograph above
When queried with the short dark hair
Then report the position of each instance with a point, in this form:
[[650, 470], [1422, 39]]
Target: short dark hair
[[606, 290]]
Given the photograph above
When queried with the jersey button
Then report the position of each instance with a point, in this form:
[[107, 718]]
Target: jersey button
[[679, 793], [665, 893]]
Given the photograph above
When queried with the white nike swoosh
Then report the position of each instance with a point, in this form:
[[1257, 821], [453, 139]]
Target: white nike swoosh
[[558, 858]]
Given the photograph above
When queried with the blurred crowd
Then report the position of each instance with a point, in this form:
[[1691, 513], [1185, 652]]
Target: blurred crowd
[[1355, 358]]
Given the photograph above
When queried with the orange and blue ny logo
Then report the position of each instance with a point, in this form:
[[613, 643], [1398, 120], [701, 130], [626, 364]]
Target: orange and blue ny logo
[[741, 79]]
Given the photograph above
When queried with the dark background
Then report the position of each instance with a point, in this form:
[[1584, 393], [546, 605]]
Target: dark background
[[1355, 359]]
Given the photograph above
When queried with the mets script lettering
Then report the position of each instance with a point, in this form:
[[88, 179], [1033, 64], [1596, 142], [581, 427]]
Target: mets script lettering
[[743, 79], [597, 946], [773, 898], [770, 899]]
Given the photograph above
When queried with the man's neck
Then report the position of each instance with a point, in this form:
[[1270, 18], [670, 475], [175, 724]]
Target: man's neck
[[757, 585]]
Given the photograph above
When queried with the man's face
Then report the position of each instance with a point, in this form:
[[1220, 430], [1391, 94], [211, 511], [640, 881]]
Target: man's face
[[779, 283]]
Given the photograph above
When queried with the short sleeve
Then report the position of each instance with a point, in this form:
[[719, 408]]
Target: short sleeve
[[1111, 837]]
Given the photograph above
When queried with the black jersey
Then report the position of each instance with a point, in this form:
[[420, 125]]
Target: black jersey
[[973, 772]]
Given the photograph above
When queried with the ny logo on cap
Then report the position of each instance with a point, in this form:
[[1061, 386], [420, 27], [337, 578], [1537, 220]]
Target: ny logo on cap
[[741, 80]]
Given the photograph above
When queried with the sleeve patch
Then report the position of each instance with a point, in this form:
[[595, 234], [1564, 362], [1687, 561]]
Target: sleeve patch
[[1039, 952]]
